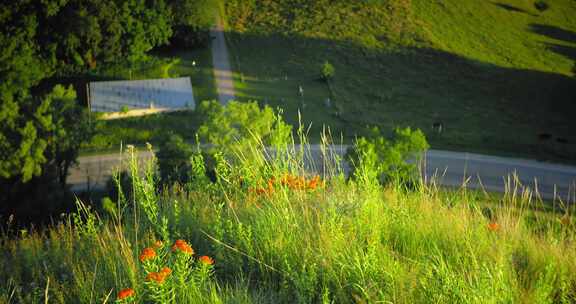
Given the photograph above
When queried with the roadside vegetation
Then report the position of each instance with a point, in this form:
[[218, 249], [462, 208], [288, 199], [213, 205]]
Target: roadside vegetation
[[496, 75], [258, 227]]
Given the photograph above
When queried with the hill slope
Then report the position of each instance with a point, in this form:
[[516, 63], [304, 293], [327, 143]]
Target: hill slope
[[497, 75]]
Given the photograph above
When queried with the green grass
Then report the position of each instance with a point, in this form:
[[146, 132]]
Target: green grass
[[343, 242], [498, 75], [153, 128], [110, 134]]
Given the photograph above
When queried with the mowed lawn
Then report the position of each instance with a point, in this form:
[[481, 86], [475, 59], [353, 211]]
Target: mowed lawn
[[498, 76]]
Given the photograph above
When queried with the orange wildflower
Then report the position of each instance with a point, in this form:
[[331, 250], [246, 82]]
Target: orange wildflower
[[158, 244], [126, 293], [206, 260], [313, 183], [159, 277], [493, 226], [147, 253], [181, 245], [166, 270]]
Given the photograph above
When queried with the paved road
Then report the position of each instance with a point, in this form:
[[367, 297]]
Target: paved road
[[221, 63], [447, 168]]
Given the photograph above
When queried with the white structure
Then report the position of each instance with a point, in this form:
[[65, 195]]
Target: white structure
[[161, 94]]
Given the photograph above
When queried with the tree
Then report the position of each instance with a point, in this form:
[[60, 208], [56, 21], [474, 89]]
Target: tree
[[377, 159], [192, 20], [78, 34], [71, 128], [39, 142], [239, 126], [21, 147], [327, 72]]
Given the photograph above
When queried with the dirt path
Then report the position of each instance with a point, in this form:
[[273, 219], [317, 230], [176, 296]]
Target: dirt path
[[221, 63]]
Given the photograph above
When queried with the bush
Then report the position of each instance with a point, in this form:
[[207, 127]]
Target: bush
[[377, 159], [541, 5], [328, 71], [174, 160], [236, 127], [124, 109]]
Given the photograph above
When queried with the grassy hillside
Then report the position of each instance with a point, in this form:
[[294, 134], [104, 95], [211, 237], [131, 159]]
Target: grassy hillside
[[497, 75], [505, 33], [278, 236]]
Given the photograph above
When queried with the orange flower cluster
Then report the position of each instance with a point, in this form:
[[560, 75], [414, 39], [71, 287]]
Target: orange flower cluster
[[182, 245], [493, 226], [126, 293], [292, 182], [160, 276], [147, 254], [206, 260]]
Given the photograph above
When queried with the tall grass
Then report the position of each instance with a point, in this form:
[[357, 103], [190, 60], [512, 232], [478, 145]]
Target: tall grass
[[278, 237]]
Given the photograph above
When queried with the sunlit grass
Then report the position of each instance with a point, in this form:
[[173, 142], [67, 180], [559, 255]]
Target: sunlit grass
[[277, 234]]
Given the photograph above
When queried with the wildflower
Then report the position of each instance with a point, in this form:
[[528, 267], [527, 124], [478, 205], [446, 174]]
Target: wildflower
[[159, 277], [166, 270], [206, 260], [126, 293], [313, 183], [493, 226], [156, 277], [147, 254], [181, 245]]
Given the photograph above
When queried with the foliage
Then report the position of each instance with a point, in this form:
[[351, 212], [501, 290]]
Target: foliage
[[335, 243], [71, 129], [192, 21], [23, 119], [541, 5], [327, 72], [174, 160], [90, 33], [238, 127], [168, 270], [41, 139], [376, 159]]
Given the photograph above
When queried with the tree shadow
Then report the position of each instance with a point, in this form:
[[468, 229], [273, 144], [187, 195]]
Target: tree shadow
[[512, 8], [554, 32], [482, 107], [566, 51]]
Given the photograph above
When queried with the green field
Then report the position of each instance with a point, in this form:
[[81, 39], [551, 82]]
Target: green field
[[497, 75], [332, 241]]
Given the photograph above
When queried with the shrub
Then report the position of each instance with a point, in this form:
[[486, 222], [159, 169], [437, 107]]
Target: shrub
[[328, 71], [237, 127], [124, 109], [377, 159], [174, 160], [541, 5]]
